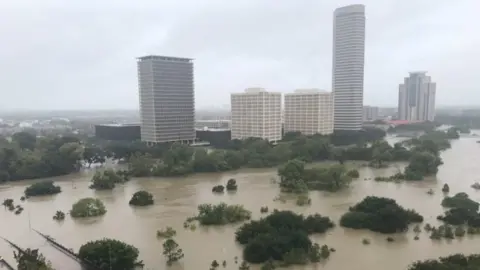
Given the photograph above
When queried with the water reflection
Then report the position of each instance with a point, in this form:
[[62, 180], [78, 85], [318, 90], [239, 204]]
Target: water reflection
[[177, 198]]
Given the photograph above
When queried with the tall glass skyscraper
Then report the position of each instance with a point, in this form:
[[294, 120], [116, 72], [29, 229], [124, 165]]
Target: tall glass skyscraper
[[348, 66]]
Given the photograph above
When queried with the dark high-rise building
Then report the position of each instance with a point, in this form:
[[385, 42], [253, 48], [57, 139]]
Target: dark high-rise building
[[167, 101]]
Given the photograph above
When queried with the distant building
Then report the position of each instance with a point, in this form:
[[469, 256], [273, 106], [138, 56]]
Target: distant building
[[217, 137], [256, 113], [370, 113], [309, 111], [118, 132], [387, 113], [200, 124], [167, 102], [348, 66], [416, 98]]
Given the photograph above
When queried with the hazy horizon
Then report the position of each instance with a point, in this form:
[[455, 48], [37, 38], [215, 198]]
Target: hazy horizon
[[81, 55]]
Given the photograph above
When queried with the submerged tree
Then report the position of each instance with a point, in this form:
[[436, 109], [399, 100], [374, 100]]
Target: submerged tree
[[107, 179], [141, 198], [231, 185], [452, 262], [42, 188], [282, 235], [221, 214], [379, 214], [8, 203], [353, 173], [109, 254], [172, 251], [244, 266], [168, 232], [59, 216], [88, 207], [218, 189], [31, 260]]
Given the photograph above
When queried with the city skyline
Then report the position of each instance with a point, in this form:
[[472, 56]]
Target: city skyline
[[86, 62], [416, 97]]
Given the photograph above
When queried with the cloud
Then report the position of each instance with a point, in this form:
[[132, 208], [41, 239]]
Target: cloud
[[81, 54]]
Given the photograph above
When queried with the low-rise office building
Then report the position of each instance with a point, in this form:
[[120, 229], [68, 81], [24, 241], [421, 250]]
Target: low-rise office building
[[118, 132], [217, 137]]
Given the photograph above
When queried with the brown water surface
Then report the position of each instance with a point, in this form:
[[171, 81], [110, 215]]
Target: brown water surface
[[177, 199]]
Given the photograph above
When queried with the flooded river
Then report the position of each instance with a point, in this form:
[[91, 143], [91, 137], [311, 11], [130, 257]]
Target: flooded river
[[177, 199]]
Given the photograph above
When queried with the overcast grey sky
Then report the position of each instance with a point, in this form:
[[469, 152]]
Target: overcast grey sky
[[58, 54]]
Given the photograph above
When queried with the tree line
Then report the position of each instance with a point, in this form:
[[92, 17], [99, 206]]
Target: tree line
[[27, 157], [181, 160]]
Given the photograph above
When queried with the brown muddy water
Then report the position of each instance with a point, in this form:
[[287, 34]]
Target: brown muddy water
[[177, 199]]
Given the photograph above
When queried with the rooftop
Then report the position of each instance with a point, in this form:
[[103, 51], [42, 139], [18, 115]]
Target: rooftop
[[212, 120], [308, 91], [418, 72], [119, 125], [350, 9], [165, 58], [255, 90], [401, 122], [213, 129]]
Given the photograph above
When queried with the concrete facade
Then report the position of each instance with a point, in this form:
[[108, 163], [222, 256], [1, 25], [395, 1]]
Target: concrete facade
[[371, 113], [348, 66], [309, 111], [167, 101], [416, 98], [256, 113]]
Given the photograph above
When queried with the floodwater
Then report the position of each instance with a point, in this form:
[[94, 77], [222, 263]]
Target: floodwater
[[177, 199]]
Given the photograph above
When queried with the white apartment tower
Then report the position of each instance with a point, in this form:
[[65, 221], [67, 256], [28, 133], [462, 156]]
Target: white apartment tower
[[348, 66], [309, 111], [416, 98], [256, 113]]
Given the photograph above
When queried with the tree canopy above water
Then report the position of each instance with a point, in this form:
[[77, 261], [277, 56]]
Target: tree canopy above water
[[281, 235], [452, 262], [379, 214], [107, 179], [88, 207], [109, 254], [141, 198], [221, 214], [42, 188], [32, 259], [294, 177], [28, 157]]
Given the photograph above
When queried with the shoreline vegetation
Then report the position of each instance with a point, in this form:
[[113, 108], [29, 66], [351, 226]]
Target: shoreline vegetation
[[28, 157], [280, 238]]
